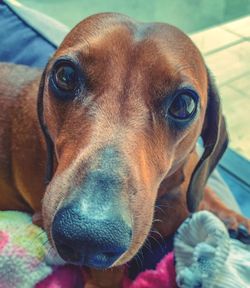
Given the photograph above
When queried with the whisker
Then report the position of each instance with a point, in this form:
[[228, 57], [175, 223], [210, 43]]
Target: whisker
[[161, 209], [135, 258], [152, 237], [157, 232], [157, 220], [140, 260], [148, 246]]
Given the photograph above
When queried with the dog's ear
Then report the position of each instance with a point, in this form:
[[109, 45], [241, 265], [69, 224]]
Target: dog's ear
[[44, 128], [215, 140]]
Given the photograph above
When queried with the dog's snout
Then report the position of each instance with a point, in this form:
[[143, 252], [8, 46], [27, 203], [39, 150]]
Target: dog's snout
[[83, 239]]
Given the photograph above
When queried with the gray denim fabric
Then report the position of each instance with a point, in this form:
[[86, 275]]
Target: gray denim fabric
[[217, 183]]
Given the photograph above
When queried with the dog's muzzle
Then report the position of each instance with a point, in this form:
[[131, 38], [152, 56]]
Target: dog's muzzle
[[92, 228]]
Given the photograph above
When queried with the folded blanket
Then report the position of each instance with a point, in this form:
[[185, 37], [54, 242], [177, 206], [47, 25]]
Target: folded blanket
[[23, 247], [207, 257], [21, 251]]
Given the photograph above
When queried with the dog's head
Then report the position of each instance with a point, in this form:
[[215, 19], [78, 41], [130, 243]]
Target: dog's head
[[121, 105]]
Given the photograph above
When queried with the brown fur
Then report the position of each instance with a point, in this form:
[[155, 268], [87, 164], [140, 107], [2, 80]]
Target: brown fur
[[130, 67]]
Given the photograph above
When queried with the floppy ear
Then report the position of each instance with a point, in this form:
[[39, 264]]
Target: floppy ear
[[215, 140], [44, 128]]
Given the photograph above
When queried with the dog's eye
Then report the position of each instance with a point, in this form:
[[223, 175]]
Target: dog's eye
[[183, 106], [66, 77]]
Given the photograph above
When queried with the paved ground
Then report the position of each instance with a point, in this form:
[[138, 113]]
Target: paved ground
[[227, 52]]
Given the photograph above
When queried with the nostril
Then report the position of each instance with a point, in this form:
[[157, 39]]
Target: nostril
[[66, 248], [110, 254], [68, 253], [101, 260], [113, 254]]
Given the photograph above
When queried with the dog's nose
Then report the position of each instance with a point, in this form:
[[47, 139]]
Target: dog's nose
[[88, 239]]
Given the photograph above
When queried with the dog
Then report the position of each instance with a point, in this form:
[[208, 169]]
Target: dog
[[105, 135]]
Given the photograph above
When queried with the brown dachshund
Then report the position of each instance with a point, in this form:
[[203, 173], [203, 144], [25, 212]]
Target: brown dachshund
[[113, 124]]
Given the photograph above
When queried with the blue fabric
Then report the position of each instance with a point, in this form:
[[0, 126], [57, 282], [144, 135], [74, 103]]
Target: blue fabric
[[240, 190], [235, 169], [21, 44]]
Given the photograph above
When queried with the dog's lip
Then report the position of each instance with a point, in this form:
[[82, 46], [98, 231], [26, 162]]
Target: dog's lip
[[87, 258], [99, 261], [71, 256]]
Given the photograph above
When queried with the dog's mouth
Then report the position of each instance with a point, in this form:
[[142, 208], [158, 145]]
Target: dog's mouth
[[88, 257]]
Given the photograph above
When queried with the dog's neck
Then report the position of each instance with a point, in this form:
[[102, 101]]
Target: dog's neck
[[171, 205], [21, 190]]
